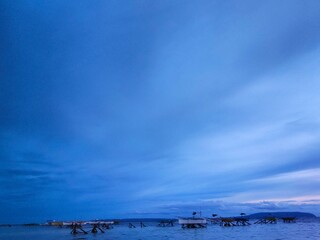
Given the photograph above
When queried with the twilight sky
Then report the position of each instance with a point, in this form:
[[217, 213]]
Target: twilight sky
[[158, 108]]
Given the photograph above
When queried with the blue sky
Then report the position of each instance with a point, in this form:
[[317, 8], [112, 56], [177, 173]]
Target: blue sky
[[158, 108]]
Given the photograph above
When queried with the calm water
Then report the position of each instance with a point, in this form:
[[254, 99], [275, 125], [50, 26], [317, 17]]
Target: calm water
[[293, 231]]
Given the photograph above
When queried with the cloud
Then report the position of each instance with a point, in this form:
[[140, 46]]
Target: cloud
[[310, 175], [158, 104]]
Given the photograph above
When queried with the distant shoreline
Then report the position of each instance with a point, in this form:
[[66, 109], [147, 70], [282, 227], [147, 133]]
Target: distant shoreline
[[259, 215]]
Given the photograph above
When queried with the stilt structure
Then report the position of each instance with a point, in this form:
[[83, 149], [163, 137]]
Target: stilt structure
[[241, 221], [215, 220], [289, 219], [267, 220], [227, 222], [197, 225], [76, 227], [130, 225], [142, 225], [107, 226], [166, 223], [95, 228]]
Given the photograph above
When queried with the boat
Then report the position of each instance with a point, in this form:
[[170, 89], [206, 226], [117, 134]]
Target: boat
[[193, 222]]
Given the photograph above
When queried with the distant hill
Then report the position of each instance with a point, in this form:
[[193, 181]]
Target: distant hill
[[281, 215]]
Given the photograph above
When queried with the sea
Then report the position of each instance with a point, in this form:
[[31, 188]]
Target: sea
[[307, 229]]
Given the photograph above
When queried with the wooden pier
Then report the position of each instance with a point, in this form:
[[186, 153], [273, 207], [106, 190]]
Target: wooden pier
[[289, 219], [241, 221], [234, 221], [267, 220], [166, 223], [96, 226], [215, 220], [227, 222], [130, 225], [142, 225], [77, 228]]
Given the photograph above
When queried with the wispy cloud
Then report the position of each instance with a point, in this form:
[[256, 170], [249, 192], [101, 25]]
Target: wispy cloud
[[165, 105], [310, 175]]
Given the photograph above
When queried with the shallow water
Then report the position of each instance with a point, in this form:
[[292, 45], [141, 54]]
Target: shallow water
[[279, 231]]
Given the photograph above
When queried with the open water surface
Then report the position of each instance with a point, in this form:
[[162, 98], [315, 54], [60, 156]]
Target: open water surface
[[280, 231]]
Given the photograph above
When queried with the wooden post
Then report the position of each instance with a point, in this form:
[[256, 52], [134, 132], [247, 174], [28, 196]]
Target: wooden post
[[142, 225], [289, 219], [131, 225], [76, 226]]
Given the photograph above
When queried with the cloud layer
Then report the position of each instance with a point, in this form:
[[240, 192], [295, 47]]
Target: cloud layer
[[158, 108]]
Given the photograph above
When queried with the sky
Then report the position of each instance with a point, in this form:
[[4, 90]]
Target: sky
[[117, 109]]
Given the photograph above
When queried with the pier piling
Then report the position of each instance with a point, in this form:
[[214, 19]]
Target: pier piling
[[289, 219], [166, 223], [131, 225], [75, 227], [267, 220]]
